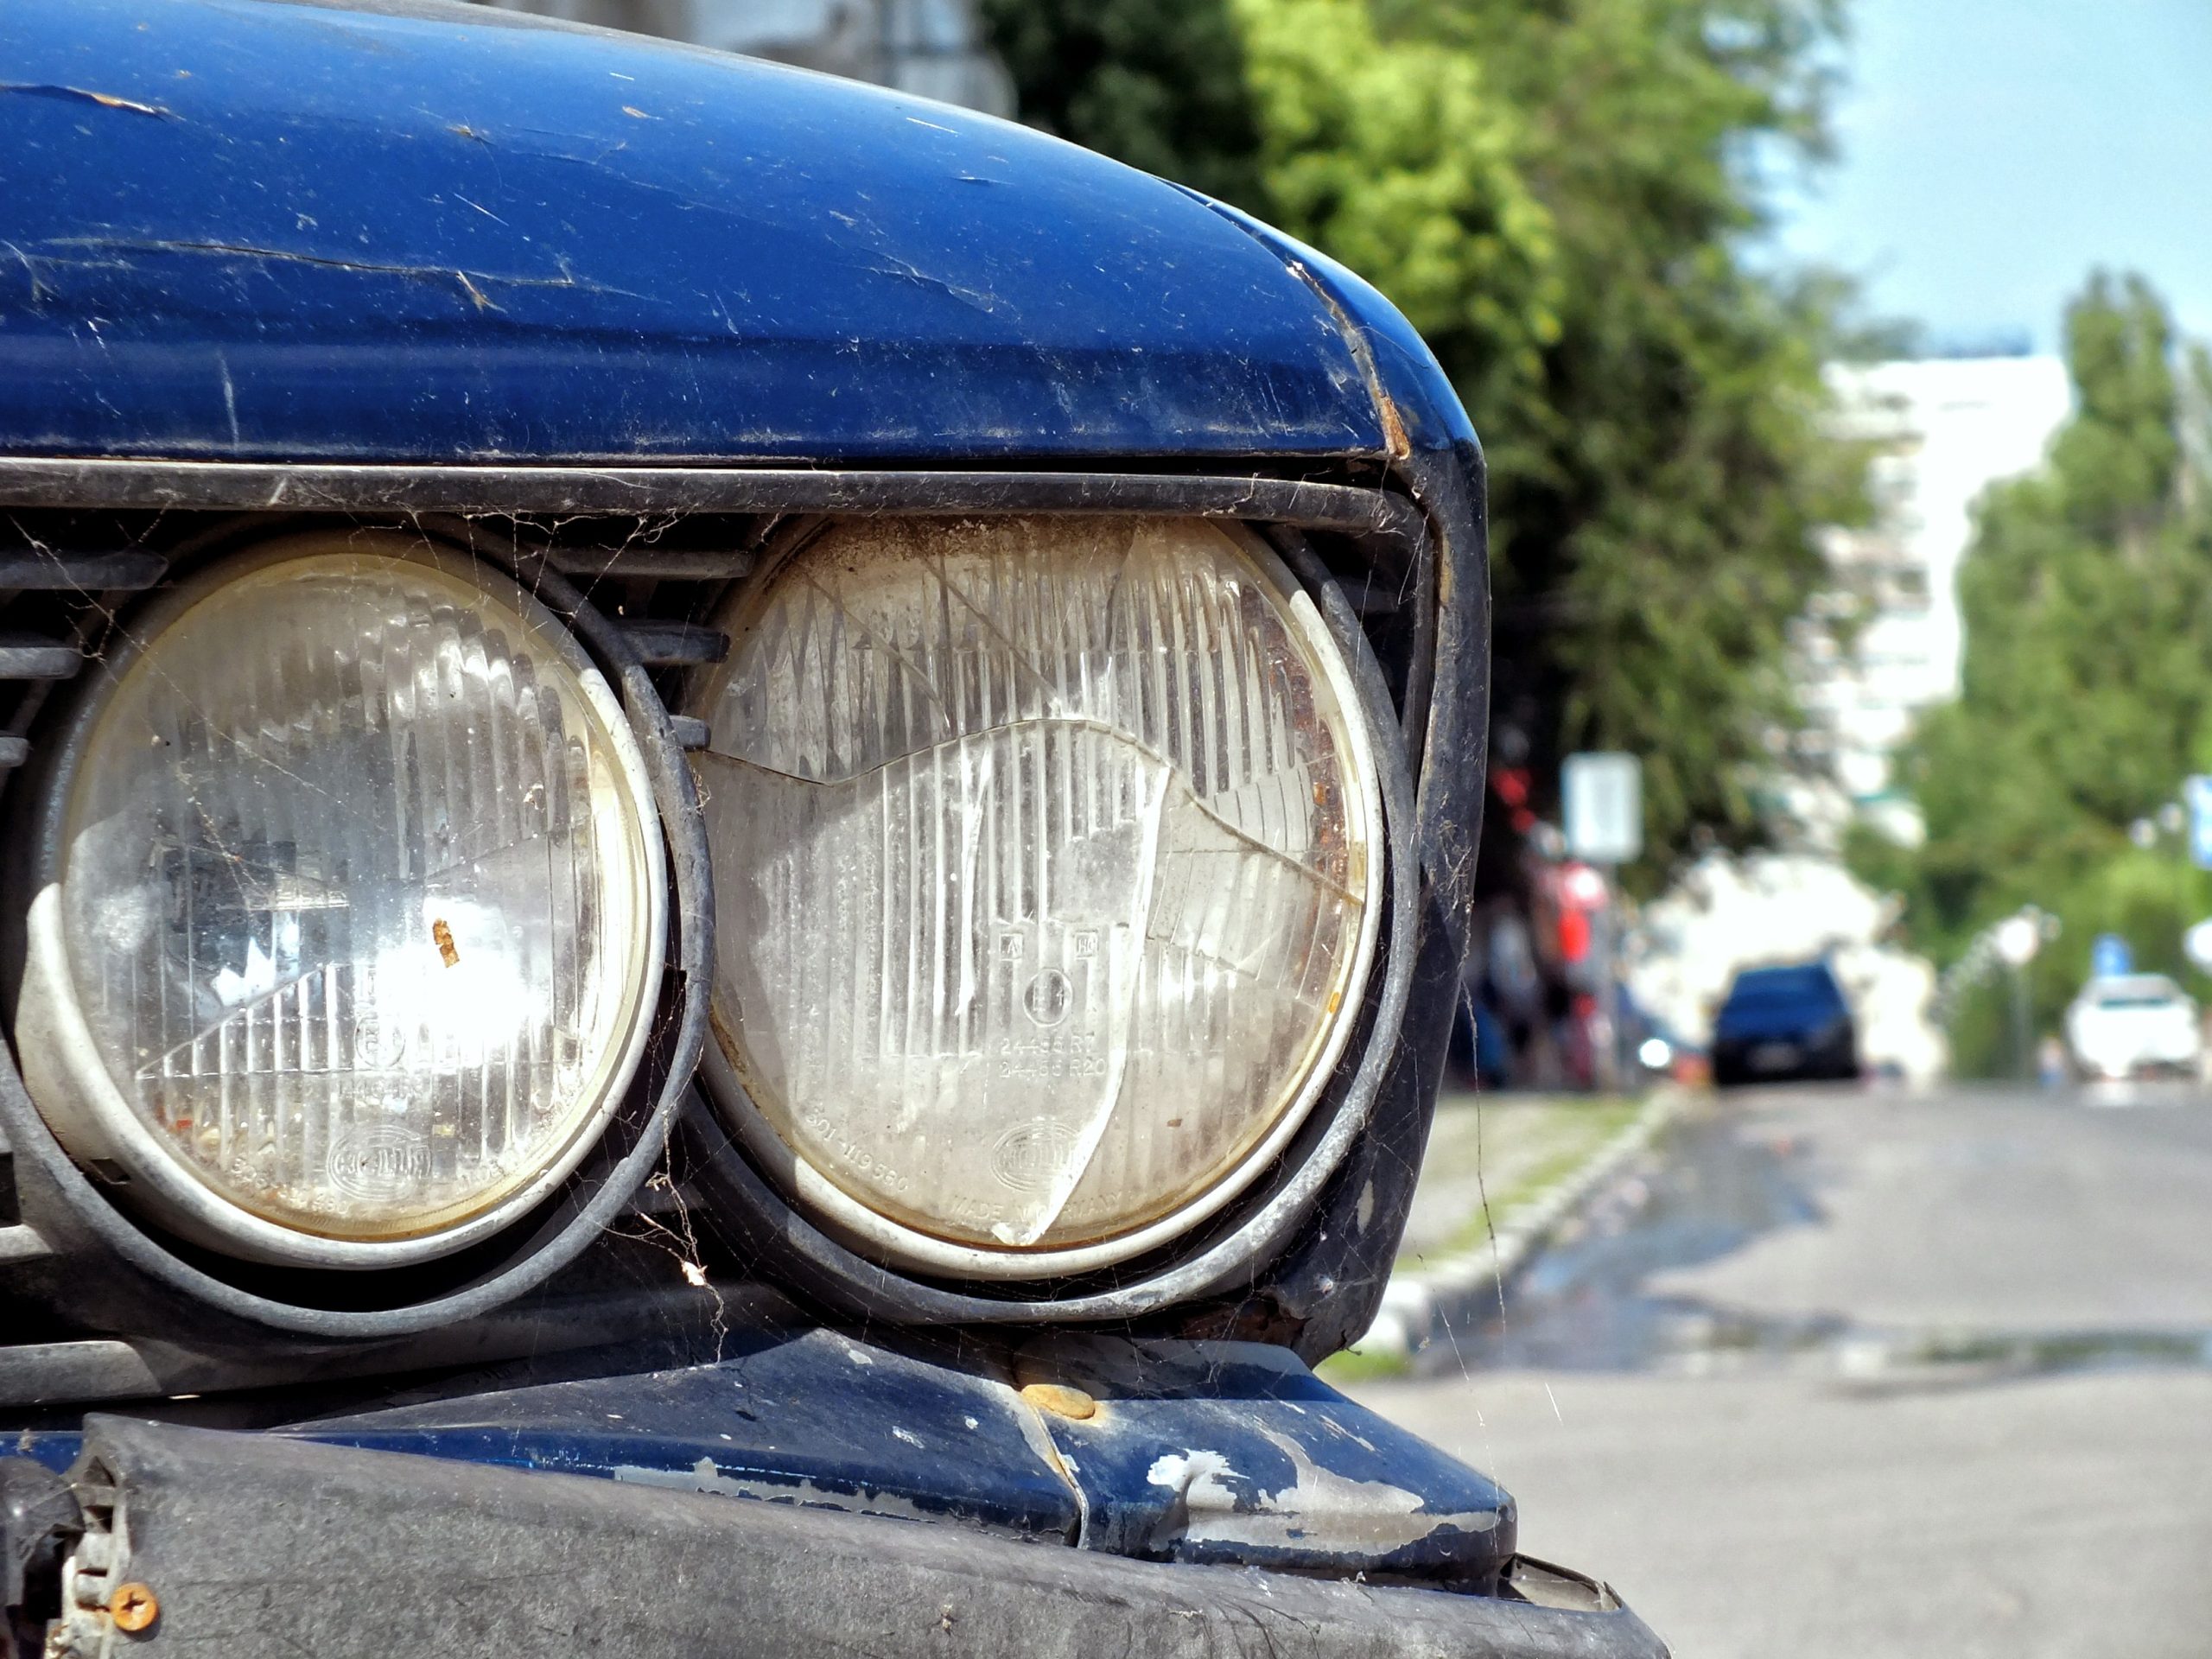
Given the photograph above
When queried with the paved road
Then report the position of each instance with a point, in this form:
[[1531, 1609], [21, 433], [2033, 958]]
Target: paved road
[[1859, 1374]]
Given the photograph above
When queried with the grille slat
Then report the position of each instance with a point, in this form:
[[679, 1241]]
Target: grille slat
[[28, 657], [83, 573], [673, 644]]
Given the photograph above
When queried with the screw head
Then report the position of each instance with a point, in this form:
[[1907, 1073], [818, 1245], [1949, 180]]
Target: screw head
[[1060, 1400], [133, 1608]]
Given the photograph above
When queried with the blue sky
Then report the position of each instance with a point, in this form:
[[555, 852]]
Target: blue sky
[[1992, 151]]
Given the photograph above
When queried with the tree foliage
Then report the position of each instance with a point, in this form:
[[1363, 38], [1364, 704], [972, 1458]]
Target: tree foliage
[[1559, 196], [2086, 693], [1159, 83]]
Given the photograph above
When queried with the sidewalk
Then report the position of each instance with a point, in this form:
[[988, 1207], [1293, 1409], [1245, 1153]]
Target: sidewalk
[[1500, 1174]]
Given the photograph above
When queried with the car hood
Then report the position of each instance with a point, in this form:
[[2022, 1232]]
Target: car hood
[[247, 229]]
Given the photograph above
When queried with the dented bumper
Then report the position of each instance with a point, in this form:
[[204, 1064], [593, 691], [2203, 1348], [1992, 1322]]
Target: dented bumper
[[811, 1491], [253, 1544]]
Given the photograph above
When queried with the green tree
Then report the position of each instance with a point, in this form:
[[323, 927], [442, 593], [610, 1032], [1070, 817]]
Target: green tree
[[1657, 521], [1560, 197], [1159, 83], [1393, 156], [2086, 693]]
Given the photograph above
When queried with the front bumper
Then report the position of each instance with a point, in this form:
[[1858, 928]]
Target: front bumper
[[250, 1544]]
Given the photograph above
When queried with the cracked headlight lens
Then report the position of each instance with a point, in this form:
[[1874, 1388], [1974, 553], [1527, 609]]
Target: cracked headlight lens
[[1047, 857], [358, 921]]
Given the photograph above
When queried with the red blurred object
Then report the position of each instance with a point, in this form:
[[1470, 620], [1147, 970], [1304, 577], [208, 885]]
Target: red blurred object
[[1510, 785]]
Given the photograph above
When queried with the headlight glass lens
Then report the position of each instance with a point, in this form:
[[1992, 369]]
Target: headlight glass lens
[[1045, 854], [361, 895]]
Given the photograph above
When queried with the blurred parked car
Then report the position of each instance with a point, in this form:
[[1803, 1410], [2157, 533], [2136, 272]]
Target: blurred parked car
[[1785, 1022], [2132, 1026]]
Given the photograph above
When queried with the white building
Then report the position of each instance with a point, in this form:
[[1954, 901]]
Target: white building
[[1943, 430]]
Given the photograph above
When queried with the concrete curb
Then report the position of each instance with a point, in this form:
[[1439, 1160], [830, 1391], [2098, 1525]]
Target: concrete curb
[[1447, 1291]]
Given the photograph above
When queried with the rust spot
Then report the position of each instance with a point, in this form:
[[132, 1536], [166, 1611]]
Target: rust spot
[[633, 112], [1394, 427], [464, 130], [447, 949], [133, 1607], [1061, 1401]]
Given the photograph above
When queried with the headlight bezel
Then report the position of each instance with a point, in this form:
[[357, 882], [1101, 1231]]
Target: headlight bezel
[[70, 1085], [901, 1244], [83, 1211]]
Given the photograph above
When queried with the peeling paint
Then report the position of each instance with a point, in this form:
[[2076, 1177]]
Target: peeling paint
[[1319, 1510], [1197, 1477]]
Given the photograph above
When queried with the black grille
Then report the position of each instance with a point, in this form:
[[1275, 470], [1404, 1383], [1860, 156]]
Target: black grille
[[52, 596]]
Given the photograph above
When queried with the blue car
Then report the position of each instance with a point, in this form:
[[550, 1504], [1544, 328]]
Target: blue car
[[736, 819], [1785, 1022]]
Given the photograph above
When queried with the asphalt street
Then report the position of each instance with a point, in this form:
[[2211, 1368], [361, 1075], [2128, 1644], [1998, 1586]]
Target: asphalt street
[[1844, 1372]]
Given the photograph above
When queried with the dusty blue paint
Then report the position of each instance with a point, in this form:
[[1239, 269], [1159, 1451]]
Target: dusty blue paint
[[937, 1433], [250, 229], [811, 1417]]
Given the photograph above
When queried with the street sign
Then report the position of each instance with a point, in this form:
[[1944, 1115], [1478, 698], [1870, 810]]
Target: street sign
[[2109, 956], [2196, 795], [1604, 796]]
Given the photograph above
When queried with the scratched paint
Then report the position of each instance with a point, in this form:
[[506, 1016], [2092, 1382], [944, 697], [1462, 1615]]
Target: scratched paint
[[1317, 1507]]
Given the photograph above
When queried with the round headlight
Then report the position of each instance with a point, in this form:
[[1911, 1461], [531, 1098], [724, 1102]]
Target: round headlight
[[353, 920], [1048, 863]]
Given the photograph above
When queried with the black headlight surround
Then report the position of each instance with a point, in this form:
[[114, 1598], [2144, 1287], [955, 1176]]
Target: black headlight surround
[[1403, 539], [1226, 1250], [81, 1220]]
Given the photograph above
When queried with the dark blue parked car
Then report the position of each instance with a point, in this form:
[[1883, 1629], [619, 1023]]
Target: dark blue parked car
[[1785, 1022], [736, 819]]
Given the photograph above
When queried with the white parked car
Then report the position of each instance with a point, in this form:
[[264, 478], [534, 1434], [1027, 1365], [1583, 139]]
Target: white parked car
[[2133, 1025]]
